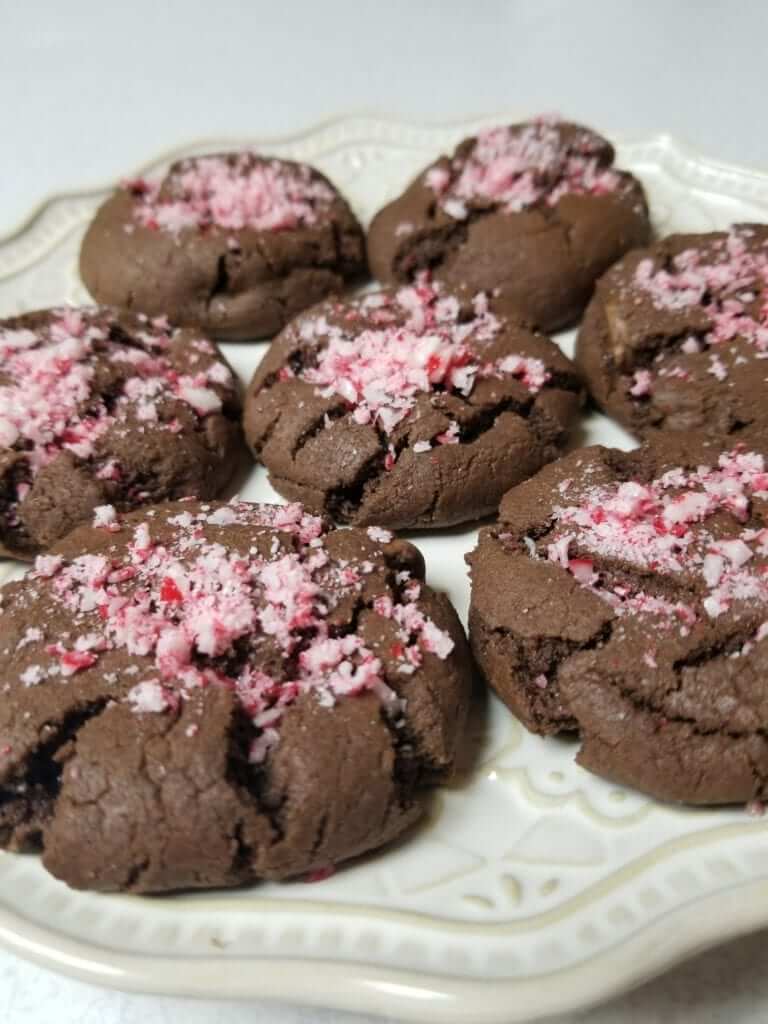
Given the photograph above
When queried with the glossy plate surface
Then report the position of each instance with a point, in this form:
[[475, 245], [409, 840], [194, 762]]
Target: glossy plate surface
[[532, 887]]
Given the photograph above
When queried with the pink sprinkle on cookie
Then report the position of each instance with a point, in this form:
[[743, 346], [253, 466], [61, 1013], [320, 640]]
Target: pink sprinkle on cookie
[[106, 517], [519, 166], [723, 279], [73, 386], [642, 383], [719, 277], [381, 536], [662, 527], [675, 339], [231, 193], [381, 371], [147, 697], [196, 610], [367, 386], [635, 583]]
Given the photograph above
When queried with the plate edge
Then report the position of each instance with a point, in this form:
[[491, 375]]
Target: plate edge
[[412, 996]]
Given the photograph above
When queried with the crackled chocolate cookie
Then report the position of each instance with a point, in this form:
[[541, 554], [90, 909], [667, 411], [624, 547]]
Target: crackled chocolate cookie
[[625, 596], [97, 407], [676, 337], [534, 210], [409, 407], [235, 243], [203, 695]]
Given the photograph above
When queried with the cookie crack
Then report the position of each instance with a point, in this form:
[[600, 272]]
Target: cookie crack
[[440, 240], [320, 832], [656, 710], [135, 874], [320, 423], [251, 782], [220, 284], [28, 801], [655, 345], [528, 410], [714, 649], [435, 242], [760, 779], [243, 858], [344, 502], [311, 259], [410, 771], [613, 573], [547, 705], [372, 473]]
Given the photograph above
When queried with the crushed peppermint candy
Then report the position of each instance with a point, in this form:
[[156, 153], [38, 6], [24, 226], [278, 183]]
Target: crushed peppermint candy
[[717, 367], [148, 696], [105, 516], [419, 343], [518, 166], [380, 535], [51, 399], [201, 612], [642, 383], [663, 528], [32, 675], [232, 192], [726, 277], [450, 436]]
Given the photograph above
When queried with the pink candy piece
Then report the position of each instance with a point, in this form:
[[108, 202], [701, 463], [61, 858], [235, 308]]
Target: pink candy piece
[[320, 874], [71, 661], [642, 383], [582, 569], [104, 516]]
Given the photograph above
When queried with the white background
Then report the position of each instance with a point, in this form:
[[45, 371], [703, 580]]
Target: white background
[[92, 90]]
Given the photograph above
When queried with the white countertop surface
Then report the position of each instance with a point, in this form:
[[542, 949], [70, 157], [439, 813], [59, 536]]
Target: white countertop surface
[[92, 89]]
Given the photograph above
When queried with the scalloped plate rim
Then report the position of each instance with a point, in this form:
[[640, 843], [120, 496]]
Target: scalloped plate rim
[[665, 140], [416, 996]]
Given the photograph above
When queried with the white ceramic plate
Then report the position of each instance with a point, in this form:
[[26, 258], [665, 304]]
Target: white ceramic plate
[[533, 887]]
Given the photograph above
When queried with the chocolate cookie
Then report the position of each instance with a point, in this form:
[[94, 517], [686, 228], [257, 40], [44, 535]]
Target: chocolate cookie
[[409, 407], [626, 596], [103, 407], [676, 336], [535, 210], [236, 244], [203, 695]]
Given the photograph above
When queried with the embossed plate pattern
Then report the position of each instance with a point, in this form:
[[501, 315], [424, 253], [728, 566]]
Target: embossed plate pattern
[[532, 887]]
